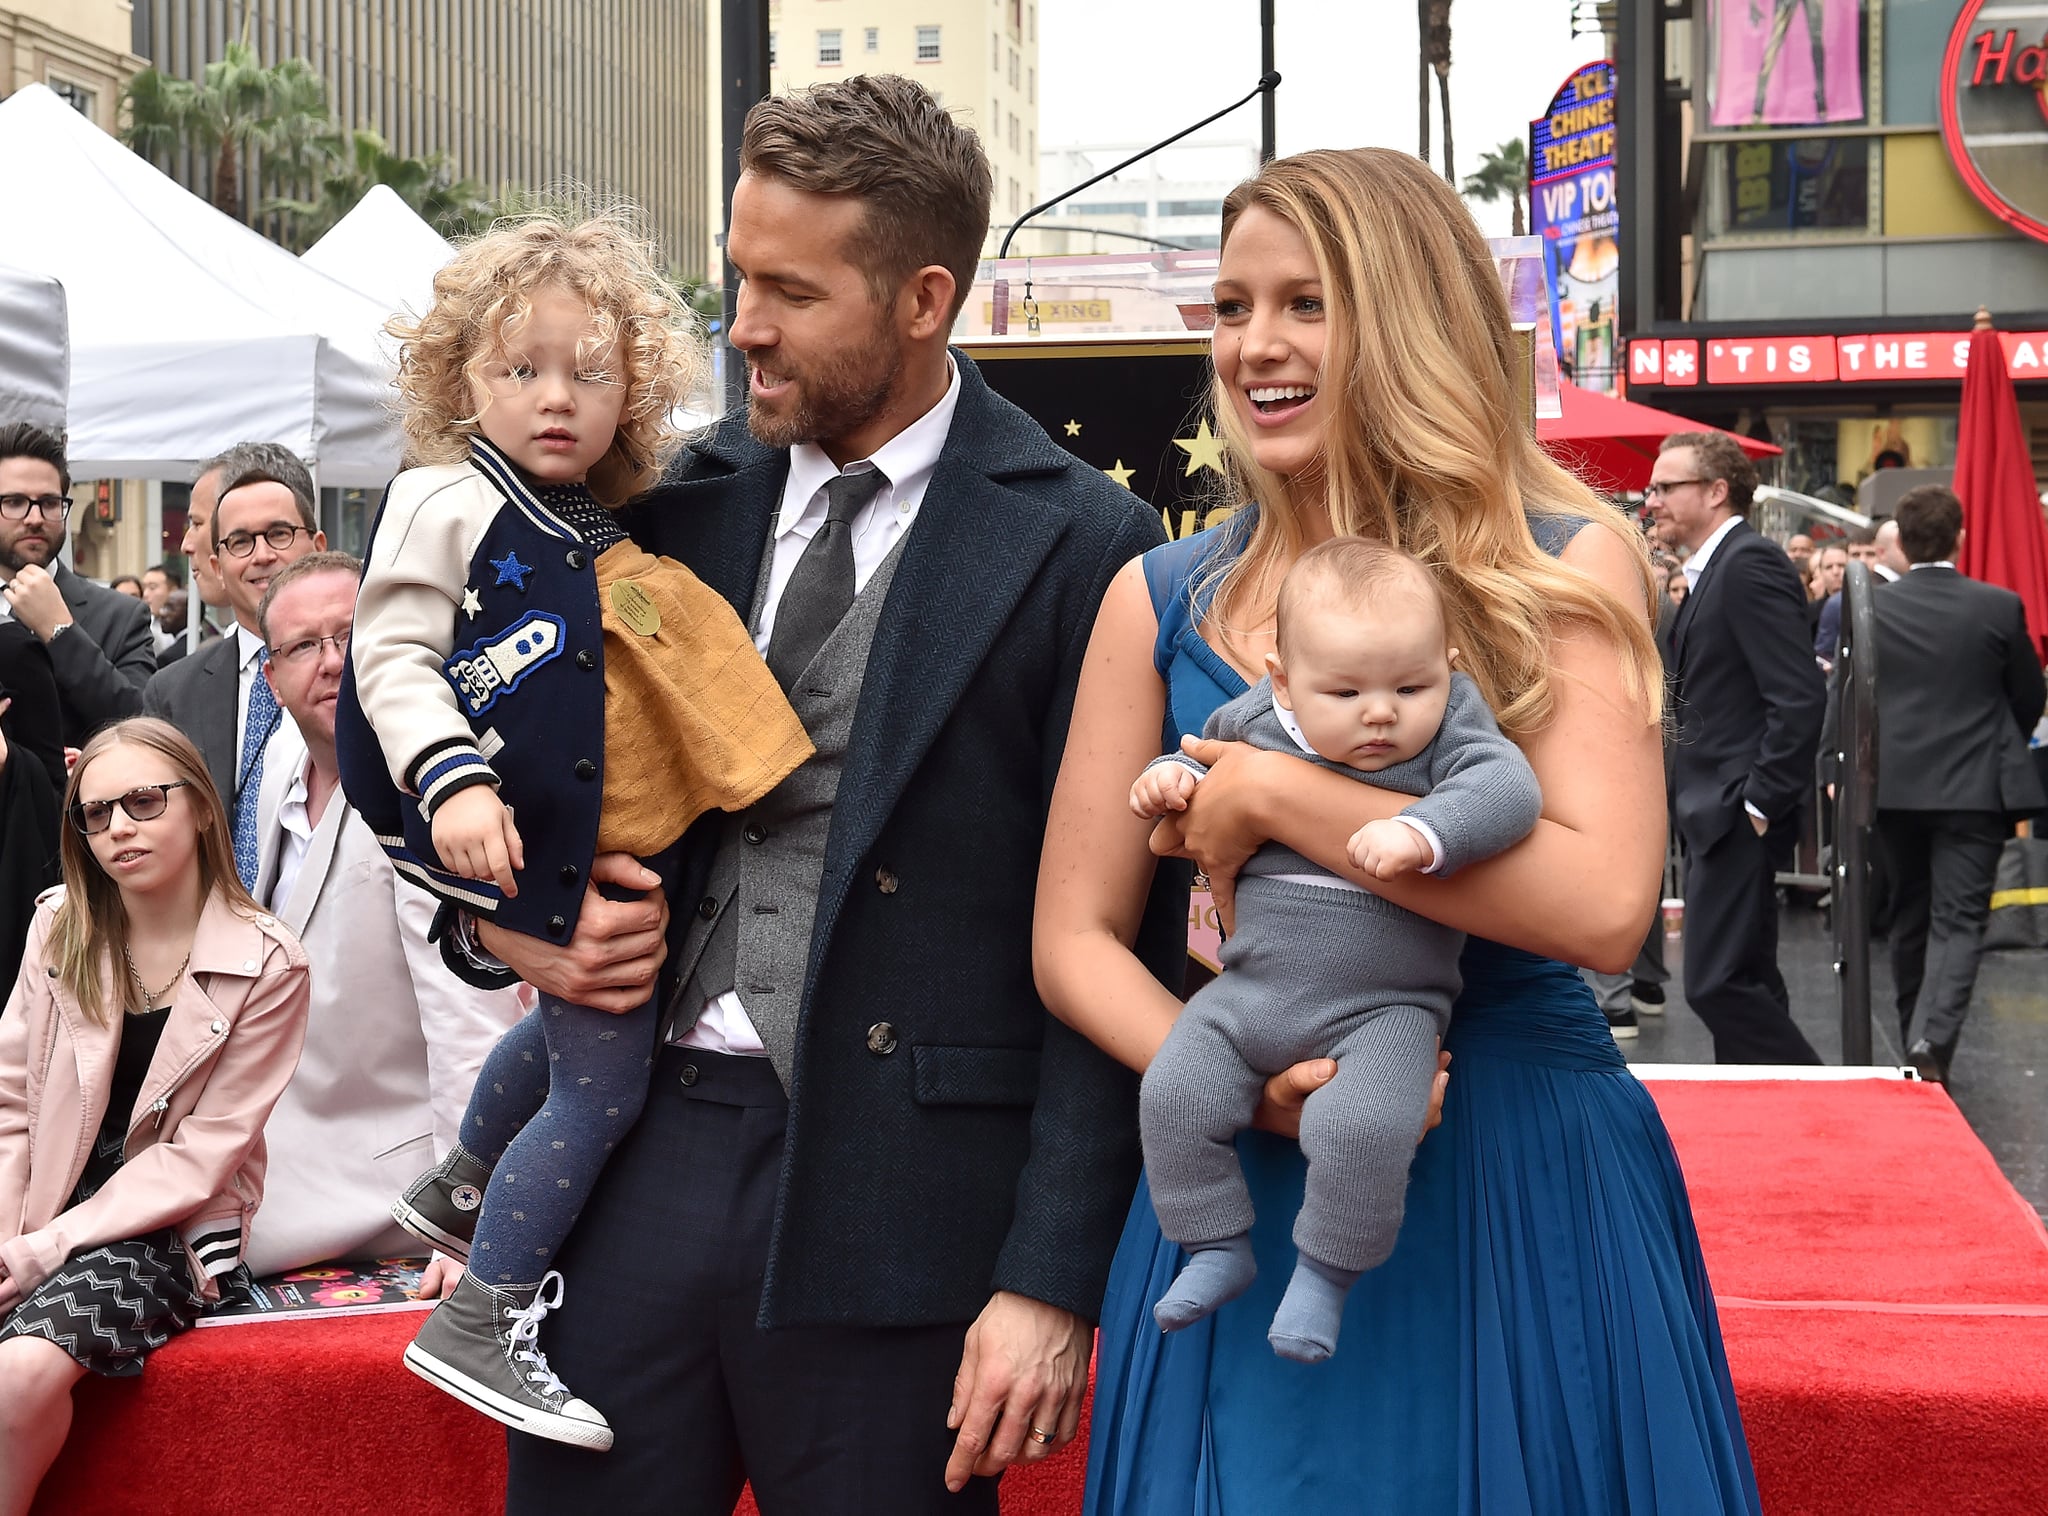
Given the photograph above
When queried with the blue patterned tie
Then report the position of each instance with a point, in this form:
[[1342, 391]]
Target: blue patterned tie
[[249, 772]]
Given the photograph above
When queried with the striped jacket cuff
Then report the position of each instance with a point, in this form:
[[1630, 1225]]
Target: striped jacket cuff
[[217, 1246], [446, 768]]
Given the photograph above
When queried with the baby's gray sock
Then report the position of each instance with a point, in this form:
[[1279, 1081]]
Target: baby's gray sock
[[1216, 1274], [1305, 1326]]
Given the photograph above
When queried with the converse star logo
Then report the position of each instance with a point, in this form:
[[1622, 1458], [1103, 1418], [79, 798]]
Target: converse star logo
[[466, 1197]]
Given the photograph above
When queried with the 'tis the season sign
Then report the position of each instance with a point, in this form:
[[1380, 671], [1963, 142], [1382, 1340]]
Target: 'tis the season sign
[[1874, 357], [1994, 112]]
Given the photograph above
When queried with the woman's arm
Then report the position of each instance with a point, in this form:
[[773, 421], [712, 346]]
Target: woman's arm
[[1581, 887], [1096, 868]]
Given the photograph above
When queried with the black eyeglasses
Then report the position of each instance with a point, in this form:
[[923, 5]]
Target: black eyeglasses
[[1665, 486], [145, 802], [49, 507], [306, 650], [280, 535]]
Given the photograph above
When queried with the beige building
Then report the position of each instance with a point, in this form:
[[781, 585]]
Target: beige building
[[980, 57], [609, 96], [79, 48]]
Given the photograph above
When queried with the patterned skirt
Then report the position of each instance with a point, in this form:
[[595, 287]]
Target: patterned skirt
[[111, 1305]]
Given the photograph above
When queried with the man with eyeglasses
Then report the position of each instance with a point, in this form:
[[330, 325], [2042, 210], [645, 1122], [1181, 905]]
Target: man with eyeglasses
[[264, 521], [99, 642], [393, 1041], [1749, 701]]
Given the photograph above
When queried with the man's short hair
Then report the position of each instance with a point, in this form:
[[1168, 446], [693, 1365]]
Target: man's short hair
[[172, 575], [263, 463], [1930, 519], [304, 568], [921, 177], [1719, 456], [1860, 536], [24, 439]]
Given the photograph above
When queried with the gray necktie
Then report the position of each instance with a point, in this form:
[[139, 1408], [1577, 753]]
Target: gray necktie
[[820, 592]]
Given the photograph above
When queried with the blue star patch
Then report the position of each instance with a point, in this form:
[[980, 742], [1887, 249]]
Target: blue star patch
[[511, 571]]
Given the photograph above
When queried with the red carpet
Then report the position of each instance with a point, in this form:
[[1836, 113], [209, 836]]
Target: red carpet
[[1884, 1294]]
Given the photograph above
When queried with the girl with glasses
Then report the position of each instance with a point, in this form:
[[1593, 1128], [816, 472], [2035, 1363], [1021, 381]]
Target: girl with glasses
[[157, 1017]]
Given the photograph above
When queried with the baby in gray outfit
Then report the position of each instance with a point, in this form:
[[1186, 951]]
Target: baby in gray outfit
[[1319, 967]]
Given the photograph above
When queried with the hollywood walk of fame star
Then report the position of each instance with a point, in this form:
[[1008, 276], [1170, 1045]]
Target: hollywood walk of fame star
[[511, 571], [1121, 474], [472, 604], [1204, 449], [1073, 428]]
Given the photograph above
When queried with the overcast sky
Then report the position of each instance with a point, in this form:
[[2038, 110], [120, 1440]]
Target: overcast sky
[[1136, 70]]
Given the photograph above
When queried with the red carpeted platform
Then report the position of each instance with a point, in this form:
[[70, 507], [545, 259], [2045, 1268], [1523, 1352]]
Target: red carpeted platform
[[1883, 1292]]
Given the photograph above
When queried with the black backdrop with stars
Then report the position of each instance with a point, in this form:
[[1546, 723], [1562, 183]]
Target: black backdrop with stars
[[1136, 407]]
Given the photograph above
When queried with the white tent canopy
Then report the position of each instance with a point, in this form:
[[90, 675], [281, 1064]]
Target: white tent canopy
[[35, 350], [384, 250], [189, 332]]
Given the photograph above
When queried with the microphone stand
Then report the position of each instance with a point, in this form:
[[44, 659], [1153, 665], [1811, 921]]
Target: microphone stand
[[999, 325]]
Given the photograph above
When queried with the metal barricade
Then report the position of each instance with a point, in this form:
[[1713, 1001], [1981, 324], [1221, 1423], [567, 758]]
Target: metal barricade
[[1854, 753]]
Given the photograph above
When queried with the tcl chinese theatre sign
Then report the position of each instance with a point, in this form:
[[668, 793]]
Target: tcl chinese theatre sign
[[1994, 111]]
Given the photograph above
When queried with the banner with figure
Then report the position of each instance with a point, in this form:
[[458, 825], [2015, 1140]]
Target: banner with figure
[[1572, 208], [1786, 62]]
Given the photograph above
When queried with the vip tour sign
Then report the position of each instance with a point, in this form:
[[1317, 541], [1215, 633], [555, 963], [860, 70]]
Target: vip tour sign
[[1572, 208]]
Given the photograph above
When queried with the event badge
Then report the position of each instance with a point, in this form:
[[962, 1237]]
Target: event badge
[[636, 608]]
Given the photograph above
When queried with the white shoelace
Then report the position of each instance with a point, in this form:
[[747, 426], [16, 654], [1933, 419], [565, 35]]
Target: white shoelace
[[526, 1332]]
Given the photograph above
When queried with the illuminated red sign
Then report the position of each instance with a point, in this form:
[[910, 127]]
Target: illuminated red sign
[[1873, 358], [1993, 110]]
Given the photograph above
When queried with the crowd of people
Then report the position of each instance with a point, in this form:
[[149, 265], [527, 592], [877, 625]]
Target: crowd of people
[[701, 886]]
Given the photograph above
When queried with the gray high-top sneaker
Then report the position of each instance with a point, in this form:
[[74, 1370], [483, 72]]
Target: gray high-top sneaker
[[479, 1346], [442, 1205]]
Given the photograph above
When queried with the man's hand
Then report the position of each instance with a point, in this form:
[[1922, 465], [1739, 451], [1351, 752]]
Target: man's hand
[[1288, 1091], [611, 962], [4, 705], [439, 1278], [1757, 824], [38, 603], [1161, 788], [474, 834], [1024, 1369], [1388, 849]]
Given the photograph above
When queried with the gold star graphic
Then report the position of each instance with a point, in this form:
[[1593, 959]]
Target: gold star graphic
[[1073, 428], [1121, 474], [1204, 449]]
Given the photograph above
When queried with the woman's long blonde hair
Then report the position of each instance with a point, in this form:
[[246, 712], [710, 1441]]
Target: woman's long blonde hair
[[1423, 445], [90, 935], [487, 289]]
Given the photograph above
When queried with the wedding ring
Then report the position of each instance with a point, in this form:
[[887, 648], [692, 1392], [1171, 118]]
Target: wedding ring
[[1041, 1435]]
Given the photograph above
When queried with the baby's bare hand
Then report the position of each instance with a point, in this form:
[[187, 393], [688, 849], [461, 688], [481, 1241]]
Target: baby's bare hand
[[474, 834], [1163, 788], [1387, 849]]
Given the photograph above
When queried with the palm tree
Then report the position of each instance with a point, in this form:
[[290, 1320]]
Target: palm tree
[[1436, 47], [428, 185], [1503, 174]]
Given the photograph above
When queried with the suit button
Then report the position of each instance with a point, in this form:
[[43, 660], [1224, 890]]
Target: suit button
[[570, 873], [577, 558], [885, 881], [585, 769], [557, 926], [708, 907], [586, 659], [688, 1075], [755, 833], [882, 1038]]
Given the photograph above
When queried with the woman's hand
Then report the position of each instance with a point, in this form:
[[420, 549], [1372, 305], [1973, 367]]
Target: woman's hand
[[1224, 823], [4, 705], [1287, 1091]]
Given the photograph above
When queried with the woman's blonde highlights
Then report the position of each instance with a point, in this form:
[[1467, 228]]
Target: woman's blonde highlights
[[486, 292], [1424, 448]]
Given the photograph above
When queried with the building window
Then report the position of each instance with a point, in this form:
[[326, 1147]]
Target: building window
[[1804, 184], [771, 49], [871, 39], [77, 96], [1031, 22], [927, 44], [1112, 208], [1190, 207], [1031, 86], [995, 54], [1013, 70], [828, 47]]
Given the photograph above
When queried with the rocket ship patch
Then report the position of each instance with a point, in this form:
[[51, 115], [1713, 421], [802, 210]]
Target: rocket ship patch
[[498, 665]]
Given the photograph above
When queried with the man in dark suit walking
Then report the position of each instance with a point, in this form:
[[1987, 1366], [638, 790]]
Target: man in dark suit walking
[[874, 1179], [99, 642], [1959, 689], [1749, 702]]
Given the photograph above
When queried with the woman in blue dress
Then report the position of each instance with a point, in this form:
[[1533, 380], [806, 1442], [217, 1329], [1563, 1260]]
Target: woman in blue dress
[[1543, 1339]]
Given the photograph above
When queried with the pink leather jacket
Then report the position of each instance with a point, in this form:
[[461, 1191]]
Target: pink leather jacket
[[194, 1157]]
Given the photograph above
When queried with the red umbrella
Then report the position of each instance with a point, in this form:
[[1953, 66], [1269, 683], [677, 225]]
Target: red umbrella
[[1611, 444], [2005, 541]]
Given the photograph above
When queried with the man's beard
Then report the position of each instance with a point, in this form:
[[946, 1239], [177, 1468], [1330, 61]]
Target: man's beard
[[12, 560], [842, 395]]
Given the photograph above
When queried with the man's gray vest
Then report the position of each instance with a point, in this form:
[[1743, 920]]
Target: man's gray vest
[[752, 930]]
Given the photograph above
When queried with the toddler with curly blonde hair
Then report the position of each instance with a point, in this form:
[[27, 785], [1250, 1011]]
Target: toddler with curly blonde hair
[[514, 653]]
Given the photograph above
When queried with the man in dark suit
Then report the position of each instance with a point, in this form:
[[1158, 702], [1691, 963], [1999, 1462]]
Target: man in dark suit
[[1959, 689], [1749, 702], [99, 642], [213, 696], [869, 1160]]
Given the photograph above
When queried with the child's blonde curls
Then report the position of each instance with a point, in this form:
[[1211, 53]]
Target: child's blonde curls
[[487, 291]]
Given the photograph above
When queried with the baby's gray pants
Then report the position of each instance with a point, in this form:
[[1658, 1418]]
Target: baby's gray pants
[[1311, 972]]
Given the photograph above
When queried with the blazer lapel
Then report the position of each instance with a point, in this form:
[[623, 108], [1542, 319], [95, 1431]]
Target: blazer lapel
[[1688, 613], [717, 524]]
